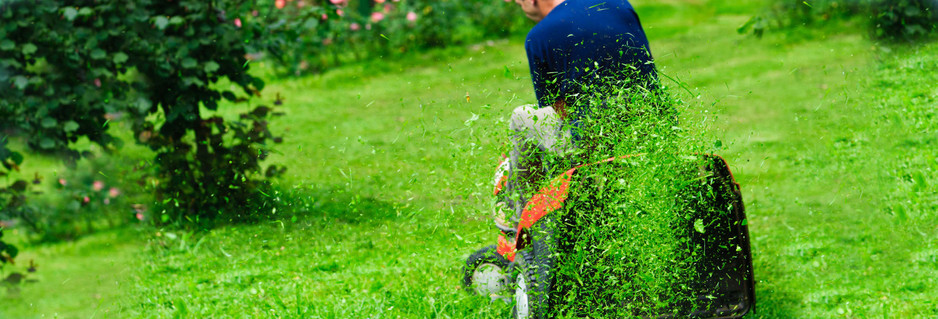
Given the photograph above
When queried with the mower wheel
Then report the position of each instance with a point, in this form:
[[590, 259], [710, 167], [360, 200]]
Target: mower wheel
[[534, 282], [485, 272]]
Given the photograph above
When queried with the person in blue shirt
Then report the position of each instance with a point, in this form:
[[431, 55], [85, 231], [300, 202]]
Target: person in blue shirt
[[575, 44]]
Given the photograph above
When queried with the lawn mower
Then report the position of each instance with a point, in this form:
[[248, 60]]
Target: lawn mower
[[518, 270]]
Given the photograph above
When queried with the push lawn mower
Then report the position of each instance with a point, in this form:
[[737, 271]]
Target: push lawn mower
[[521, 263]]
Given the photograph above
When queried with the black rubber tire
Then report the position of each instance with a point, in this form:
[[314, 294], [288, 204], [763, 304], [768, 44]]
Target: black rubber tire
[[487, 254], [536, 264]]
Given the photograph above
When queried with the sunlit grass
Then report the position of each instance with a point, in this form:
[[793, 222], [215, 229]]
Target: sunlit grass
[[821, 133]]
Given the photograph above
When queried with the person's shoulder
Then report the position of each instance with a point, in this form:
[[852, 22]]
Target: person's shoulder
[[560, 18], [543, 31], [589, 7]]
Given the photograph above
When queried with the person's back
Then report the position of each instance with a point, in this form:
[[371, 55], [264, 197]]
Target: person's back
[[582, 41]]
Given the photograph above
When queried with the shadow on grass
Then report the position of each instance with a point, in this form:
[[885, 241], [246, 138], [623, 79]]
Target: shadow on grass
[[337, 205], [773, 301]]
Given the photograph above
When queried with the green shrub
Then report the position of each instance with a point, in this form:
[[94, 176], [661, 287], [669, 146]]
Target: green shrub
[[904, 19], [101, 191], [887, 20], [74, 66]]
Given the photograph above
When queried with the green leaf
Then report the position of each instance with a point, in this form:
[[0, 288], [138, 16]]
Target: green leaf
[[29, 48], [161, 22], [189, 63], [70, 126], [20, 81], [98, 54], [699, 226], [177, 20], [16, 157], [191, 80], [12, 251], [85, 12], [70, 13], [48, 122], [7, 45], [46, 143], [143, 105], [120, 57], [210, 67]]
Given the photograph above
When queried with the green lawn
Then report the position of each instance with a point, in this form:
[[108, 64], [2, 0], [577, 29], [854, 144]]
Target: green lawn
[[831, 136]]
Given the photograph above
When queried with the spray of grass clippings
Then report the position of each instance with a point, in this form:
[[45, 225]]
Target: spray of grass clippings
[[629, 240]]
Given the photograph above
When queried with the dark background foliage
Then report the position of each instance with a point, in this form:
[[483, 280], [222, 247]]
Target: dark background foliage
[[76, 67], [886, 20], [318, 35]]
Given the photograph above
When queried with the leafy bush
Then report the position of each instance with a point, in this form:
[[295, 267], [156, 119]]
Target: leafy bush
[[74, 66], [12, 197], [7, 251], [100, 191], [217, 175], [904, 19], [886, 19]]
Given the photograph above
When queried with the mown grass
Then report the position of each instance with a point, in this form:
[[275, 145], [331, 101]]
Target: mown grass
[[831, 137]]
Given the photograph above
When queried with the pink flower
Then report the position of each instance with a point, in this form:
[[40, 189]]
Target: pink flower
[[97, 82], [62, 181], [379, 1], [97, 186], [377, 16], [337, 2], [411, 16], [113, 192], [325, 17], [355, 26], [254, 13], [340, 12], [367, 26], [387, 8], [107, 201], [139, 216], [86, 199], [280, 3], [237, 22], [300, 4]]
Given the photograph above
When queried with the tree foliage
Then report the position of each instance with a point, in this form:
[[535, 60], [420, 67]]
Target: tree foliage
[[70, 68]]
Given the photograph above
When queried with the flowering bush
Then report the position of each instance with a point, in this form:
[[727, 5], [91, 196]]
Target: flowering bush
[[324, 33], [73, 67], [99, 192]]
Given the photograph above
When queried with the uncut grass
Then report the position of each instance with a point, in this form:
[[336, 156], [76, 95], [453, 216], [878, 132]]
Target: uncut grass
[[805, 134]]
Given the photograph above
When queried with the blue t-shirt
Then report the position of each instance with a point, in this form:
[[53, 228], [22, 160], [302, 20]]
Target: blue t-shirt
[[582, 40]]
